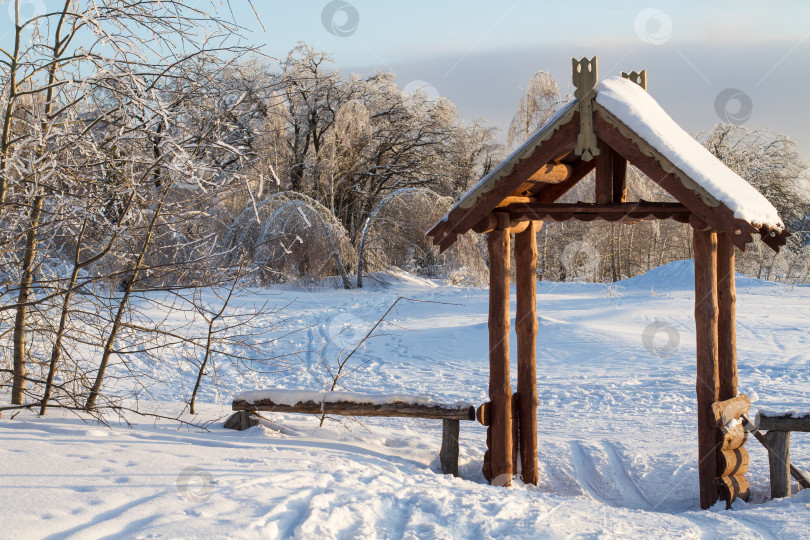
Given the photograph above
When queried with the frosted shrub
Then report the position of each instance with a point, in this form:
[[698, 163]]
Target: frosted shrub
[[290, 238]]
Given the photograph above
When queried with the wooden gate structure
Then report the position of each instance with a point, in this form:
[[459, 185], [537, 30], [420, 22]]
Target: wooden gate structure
[[612, 123]]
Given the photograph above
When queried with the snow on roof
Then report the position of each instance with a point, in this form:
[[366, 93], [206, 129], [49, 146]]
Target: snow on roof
[[633, 106], [507, 165]]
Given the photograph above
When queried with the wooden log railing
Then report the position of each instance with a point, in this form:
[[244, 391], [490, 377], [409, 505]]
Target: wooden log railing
[[776, 440], [449, 414]]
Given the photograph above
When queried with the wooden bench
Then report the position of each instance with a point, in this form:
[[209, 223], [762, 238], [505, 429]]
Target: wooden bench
[[352, 404], [777, 427]]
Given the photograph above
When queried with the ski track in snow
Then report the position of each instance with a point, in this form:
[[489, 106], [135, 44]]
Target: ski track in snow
[[617, 442]]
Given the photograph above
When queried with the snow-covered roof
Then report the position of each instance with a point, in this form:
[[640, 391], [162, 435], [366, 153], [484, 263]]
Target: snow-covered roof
[[704, 184], [639, 111]]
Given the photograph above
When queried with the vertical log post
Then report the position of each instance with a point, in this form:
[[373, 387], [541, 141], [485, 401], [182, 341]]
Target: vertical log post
[[526, 329], [779, 462], [611, 174], [705, 247], [619, 178], [604, 173], [515, 432], [448, 455], [500, 386], [726, 318]]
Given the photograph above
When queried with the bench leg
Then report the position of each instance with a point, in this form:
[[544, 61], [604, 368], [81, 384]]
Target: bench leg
[[449, 452], [779, 461], [240, 421]]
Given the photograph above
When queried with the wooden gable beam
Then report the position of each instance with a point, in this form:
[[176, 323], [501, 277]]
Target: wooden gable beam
[[579, 169], [550, 173], [460, 220]]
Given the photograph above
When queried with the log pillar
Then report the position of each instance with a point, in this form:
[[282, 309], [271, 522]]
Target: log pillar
[[448, 455], [779, 462], [619, 178], [707, 386], [604, 174], [526, 330], [500, 386], [726, 318], [611, 174]]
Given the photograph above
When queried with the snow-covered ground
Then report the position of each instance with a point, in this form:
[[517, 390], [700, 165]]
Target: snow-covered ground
[[618, 446]]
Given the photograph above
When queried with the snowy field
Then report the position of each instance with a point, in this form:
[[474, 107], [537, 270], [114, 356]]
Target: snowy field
[[618, 443]]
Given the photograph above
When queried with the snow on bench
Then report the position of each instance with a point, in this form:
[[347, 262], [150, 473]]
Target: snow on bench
[[283, 400], [783, 420], [350, 404]]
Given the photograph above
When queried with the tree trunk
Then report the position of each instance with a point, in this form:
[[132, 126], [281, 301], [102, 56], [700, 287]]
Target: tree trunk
[[122, 305], [56, 351], [26, 279], [209, 341]]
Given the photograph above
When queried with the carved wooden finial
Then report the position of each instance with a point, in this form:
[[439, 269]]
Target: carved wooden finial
[[638, 77], [585, 75]]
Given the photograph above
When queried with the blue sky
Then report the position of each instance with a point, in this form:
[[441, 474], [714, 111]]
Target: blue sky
[[391, 32], [479, 54]]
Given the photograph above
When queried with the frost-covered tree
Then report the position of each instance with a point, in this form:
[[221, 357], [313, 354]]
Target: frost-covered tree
[[771, 163], [92, 150], [539, 102], [348, 142]]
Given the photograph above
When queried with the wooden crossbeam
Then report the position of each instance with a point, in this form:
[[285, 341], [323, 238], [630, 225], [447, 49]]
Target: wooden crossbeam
[[526, 208]]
